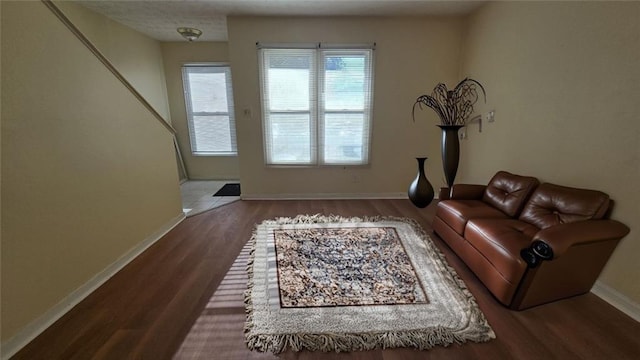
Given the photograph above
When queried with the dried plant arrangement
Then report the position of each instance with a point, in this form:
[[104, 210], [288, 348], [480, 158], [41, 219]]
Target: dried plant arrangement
[[452, 106]]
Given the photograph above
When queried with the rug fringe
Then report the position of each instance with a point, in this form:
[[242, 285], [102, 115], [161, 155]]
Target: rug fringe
[[421, 339]]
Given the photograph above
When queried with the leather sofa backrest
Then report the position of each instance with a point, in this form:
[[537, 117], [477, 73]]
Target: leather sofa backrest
[[508, 192], [553, 204]]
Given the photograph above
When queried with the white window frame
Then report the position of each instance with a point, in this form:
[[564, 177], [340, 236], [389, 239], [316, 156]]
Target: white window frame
[[317, 108], [221, 68]]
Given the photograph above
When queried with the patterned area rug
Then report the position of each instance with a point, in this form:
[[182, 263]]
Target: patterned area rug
[[327, 283], [344, 267]]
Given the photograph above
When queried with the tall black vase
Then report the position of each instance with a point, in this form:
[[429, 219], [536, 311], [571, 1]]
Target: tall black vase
[[420, 190], [450, 151]]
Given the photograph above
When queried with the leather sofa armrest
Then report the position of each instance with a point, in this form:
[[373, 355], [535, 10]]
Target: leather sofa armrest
[[467, 192], [554, 241]]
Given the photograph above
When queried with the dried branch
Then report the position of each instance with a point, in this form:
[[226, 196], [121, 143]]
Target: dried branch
[[452, 106]]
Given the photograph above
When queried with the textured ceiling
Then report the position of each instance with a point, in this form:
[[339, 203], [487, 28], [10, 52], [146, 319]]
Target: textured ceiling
[[159, 19]]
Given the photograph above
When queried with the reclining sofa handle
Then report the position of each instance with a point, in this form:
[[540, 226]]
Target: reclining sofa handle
[[536, 253]]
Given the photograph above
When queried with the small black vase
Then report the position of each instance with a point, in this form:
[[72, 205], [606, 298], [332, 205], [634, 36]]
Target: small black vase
[[421, 191]]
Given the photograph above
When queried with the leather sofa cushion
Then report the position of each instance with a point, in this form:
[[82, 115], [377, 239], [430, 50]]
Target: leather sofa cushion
[[456, 213], [508, 192], [500, 242], [553, 204]]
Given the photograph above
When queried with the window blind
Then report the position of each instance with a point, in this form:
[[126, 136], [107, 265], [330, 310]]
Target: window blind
[[316, 105], [209, 105]]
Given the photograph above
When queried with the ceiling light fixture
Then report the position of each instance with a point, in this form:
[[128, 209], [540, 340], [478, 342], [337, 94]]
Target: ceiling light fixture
[[189, 33]]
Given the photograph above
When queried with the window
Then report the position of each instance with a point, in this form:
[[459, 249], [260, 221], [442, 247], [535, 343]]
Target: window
[[316, 105], [209, 102]]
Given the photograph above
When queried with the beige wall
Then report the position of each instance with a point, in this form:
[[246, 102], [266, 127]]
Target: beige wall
[[136, 56], [175, 55], [1, 221], [87, 172], [565, 82], [412, 55]]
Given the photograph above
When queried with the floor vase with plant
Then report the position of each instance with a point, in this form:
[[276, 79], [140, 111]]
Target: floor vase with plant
[[450, 151], [454, 108]]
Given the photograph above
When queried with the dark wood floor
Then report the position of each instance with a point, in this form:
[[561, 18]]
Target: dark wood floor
[[182, 298]]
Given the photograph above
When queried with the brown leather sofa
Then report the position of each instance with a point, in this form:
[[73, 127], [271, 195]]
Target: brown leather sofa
[[529, 243]]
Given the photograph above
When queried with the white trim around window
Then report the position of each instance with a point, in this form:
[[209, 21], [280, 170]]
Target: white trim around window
[[317, 104], [209, 104]]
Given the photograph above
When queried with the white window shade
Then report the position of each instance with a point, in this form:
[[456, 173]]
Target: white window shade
[[345, 106], [288, 100], [209, 105], [316, 105]]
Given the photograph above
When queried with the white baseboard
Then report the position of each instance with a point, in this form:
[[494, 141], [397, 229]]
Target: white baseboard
[[36, 327], [324, 196], [617, 300]]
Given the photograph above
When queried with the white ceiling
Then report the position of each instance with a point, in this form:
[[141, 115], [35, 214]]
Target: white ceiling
[[159, 19]]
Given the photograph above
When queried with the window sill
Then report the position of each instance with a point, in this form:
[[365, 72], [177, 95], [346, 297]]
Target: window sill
[[211, 154], [314, 166]]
